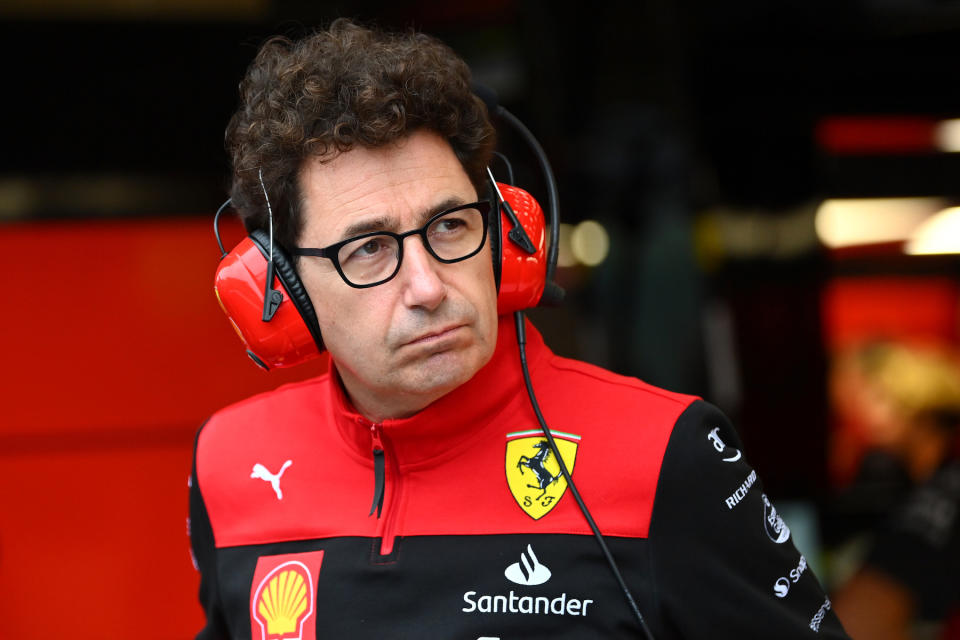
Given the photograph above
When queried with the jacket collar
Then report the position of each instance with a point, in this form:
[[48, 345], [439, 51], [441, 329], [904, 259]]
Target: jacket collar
[[457, 419]]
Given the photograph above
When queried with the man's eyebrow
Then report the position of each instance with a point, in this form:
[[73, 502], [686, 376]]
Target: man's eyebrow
[[383, 223], [380, 223]]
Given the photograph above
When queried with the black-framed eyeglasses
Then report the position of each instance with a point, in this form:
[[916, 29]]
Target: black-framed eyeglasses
[[375, 257]]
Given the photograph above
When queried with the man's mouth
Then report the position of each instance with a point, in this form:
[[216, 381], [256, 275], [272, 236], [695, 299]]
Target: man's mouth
[[434, 336]]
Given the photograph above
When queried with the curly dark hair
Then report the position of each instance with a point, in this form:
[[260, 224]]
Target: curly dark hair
[[348, 85]]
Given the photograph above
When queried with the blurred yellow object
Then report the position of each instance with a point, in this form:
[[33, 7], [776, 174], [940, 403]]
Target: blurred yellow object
[[918, 380], [851, 222], [937, 235]]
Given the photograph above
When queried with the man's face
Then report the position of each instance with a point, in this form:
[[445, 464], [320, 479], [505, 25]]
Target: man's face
[[400, 345]]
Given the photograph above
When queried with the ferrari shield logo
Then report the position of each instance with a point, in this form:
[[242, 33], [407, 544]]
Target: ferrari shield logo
[[533, 473]]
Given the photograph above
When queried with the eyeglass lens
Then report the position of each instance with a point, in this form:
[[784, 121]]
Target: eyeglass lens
[[453, 236]]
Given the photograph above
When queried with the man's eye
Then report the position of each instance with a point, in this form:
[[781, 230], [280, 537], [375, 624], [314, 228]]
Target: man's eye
[[449, 225], [368, 249]]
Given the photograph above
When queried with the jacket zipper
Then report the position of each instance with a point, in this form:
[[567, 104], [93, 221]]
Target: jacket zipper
[[380, 461], [379, 470]]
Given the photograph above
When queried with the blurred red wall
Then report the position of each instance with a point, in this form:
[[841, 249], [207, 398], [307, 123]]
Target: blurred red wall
[[915, 310], [918, 308], [115, 352]]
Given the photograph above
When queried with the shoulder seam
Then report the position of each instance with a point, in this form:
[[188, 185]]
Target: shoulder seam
[[292, 386], [629, 382]]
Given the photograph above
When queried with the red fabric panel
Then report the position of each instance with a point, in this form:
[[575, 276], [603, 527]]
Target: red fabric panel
[[458, 489]]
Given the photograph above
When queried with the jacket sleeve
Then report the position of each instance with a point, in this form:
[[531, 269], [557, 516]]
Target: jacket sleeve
[[205, 556], [724, 562]]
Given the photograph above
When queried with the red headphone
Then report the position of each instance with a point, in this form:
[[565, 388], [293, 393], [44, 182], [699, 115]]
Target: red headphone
[[283, 331]]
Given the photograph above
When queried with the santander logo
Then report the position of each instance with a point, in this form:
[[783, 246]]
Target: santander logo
[[528, 571]]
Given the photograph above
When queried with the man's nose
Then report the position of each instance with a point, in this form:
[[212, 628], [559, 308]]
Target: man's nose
[[422, 284]]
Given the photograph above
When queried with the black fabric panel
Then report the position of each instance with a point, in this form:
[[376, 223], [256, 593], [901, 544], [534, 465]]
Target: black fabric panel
[[723, 565], [205, 555], [423, 593]]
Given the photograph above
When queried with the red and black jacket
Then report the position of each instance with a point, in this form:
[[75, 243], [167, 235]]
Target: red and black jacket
[[475, 535]]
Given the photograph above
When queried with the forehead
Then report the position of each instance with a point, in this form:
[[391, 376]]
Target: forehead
[[398, 182]]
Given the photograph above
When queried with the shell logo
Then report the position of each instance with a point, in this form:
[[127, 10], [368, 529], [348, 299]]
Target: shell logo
[[283, 601]]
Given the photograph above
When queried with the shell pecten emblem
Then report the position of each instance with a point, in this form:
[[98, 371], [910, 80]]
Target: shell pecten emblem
[[283, 601]]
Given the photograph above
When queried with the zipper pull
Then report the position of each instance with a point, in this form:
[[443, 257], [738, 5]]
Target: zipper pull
[[379, 472]]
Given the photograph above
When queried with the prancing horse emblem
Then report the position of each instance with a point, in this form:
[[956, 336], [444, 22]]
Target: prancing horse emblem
[[533, 472], [535, 464]]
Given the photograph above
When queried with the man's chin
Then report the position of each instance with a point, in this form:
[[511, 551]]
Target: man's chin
[[445, 371], [440, 373]]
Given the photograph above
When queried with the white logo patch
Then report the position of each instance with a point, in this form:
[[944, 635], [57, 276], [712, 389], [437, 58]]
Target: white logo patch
[[531, 573], [782, 586], [261, 472], [777, 530], [527, 572], [741, 491], [720, 445], [818, 616]]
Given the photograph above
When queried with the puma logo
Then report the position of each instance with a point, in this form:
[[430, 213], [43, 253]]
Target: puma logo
[[260, 471]]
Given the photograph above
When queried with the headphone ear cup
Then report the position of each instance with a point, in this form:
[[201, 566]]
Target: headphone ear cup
[[292, 336], [522, 274]]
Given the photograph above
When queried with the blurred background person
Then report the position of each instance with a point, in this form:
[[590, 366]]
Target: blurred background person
[[901, 509]]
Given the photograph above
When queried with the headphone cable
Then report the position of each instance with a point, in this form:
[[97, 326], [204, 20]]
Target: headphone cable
[[553, 195], [522, 344], [216, 227]]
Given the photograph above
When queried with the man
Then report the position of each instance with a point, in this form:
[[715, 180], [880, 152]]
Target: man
[[373, 148]]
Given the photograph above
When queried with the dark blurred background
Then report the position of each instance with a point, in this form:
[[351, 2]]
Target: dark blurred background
[[695, 146]]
